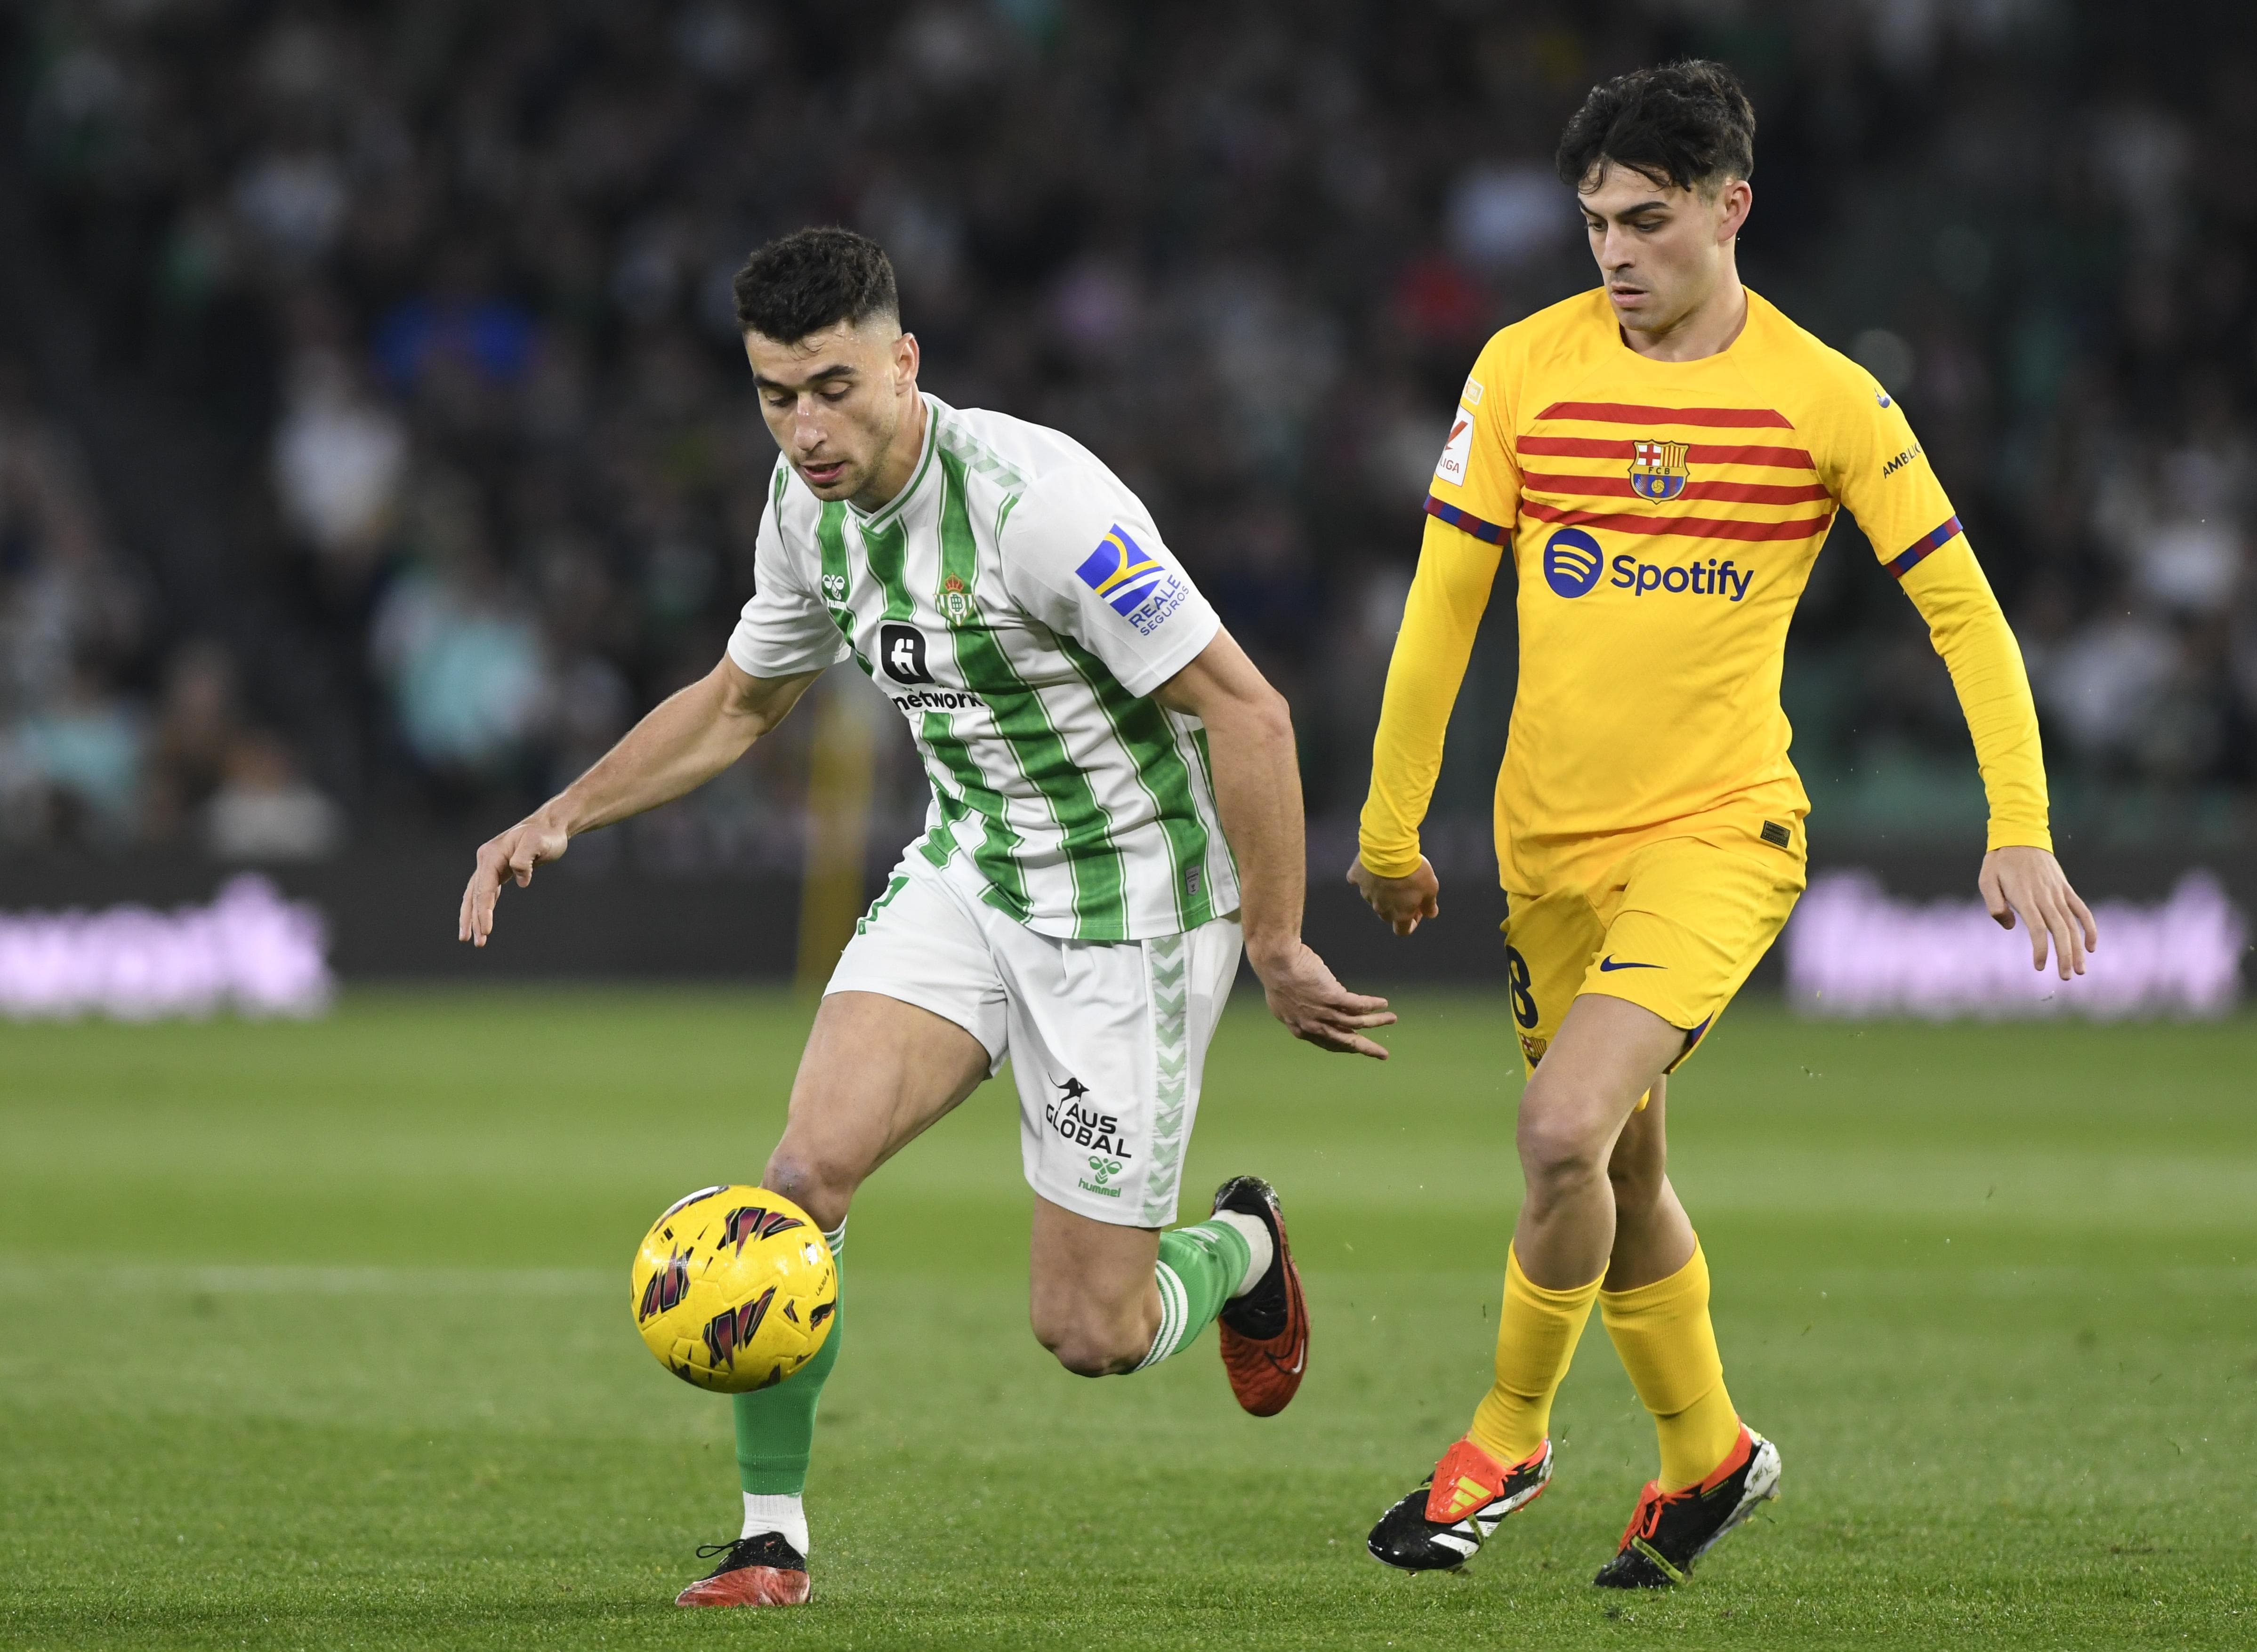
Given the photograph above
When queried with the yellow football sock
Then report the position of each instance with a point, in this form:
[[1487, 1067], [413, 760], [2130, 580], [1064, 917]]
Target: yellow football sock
[[1536, 1336], [1662, 1332]]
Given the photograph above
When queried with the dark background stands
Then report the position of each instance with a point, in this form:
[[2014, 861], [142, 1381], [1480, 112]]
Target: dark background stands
[[375, 444]]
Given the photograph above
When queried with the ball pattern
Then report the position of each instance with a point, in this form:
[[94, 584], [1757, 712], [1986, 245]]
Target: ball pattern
[[734, 1288]]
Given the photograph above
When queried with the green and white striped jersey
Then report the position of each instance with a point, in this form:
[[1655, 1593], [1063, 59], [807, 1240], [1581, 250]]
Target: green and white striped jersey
[[1015, 602]]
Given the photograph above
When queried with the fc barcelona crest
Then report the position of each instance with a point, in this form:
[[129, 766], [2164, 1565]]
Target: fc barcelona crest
[[1656, 469]]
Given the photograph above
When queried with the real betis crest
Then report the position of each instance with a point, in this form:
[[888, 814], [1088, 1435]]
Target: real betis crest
[[1656, 469], [955, 602]]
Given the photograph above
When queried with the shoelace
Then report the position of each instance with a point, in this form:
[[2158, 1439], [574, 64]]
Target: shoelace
[[1645, 1519], [757, 1540]]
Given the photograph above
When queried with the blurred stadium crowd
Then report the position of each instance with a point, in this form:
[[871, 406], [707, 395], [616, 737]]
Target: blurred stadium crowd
[[374, 444]]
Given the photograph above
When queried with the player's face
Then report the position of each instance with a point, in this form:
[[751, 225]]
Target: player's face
[[835, 402], [1663, 251]]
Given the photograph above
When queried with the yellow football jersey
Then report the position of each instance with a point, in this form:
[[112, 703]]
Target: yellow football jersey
[[1663, 518]]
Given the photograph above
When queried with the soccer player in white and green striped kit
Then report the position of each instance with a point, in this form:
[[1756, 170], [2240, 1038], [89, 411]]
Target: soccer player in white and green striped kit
[[1116, 810]]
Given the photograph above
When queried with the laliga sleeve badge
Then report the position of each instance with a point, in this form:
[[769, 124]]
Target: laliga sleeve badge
[[1457, 451]]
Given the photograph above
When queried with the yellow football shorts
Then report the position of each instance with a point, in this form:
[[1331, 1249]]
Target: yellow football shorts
[[1674, 927]]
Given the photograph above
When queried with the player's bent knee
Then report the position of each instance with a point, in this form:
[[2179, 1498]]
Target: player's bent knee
[[823, 1191], [1558, 1145], [1090, 1345], [1089, 1358]]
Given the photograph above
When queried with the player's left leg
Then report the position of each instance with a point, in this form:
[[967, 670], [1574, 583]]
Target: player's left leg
[[1654, 1302], [1108, 1041], [1706, 911]]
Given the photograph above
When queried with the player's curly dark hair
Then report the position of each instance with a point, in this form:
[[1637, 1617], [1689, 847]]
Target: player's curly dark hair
[[1685, 123], [804, 282]]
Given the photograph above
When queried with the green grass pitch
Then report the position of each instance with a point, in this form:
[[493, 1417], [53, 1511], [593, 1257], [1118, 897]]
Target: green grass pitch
[[317, 1336]]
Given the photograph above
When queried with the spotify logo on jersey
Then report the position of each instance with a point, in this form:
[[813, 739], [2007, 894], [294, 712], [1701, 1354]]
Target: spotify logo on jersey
[[1571, 562]]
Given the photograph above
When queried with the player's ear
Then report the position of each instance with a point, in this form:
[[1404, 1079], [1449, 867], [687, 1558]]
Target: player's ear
[[1740, 198], [906, 357]]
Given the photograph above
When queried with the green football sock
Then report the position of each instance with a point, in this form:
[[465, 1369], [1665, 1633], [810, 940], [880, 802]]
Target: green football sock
[[1199, 1269], [775, 1427]]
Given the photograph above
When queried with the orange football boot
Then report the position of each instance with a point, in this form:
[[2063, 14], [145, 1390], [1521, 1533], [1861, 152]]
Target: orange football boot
[[1439, 1526], [762, 1571]]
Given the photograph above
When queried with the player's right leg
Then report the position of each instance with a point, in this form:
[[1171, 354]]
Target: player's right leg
[[910, 1026]]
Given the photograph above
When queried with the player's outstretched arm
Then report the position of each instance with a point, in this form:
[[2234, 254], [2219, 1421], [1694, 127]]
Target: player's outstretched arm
[[2029, 882], [684, 742], [1257, 791]]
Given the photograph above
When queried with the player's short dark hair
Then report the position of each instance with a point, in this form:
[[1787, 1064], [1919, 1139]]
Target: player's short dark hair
[[1685, 123], [805, 281]]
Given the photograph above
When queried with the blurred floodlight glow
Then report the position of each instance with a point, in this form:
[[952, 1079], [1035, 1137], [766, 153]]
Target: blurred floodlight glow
[[1853, 952], [250, 950]]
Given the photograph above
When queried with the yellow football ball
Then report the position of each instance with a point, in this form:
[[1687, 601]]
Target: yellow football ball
[[734, 1288]]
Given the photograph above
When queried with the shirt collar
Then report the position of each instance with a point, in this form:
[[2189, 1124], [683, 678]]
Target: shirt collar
[[884, 516]]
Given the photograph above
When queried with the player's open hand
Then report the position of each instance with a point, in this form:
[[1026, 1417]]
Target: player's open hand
[[1403, 902], [533, 842], [2029, 883], [1304, 993]]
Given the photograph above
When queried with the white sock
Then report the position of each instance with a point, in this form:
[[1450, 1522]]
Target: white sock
[[1256, 1233], [781, 1515]]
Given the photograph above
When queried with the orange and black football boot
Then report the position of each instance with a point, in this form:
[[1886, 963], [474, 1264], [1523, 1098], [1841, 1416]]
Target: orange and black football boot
[[1264, 1333], [1438, 1527], [763, 1571], [1669, 1530]]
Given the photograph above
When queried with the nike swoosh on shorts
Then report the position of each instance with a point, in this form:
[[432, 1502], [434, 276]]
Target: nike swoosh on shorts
[[1607, 966]]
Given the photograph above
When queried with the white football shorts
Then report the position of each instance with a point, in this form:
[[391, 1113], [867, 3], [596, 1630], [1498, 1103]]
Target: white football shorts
[[1106, 1038]]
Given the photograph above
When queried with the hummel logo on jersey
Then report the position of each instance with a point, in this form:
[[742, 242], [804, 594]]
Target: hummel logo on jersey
[[1608, 964], [900, 651], [834, 588]]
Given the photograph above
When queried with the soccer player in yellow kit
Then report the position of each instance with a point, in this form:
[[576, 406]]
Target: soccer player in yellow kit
[[1663, 455]]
